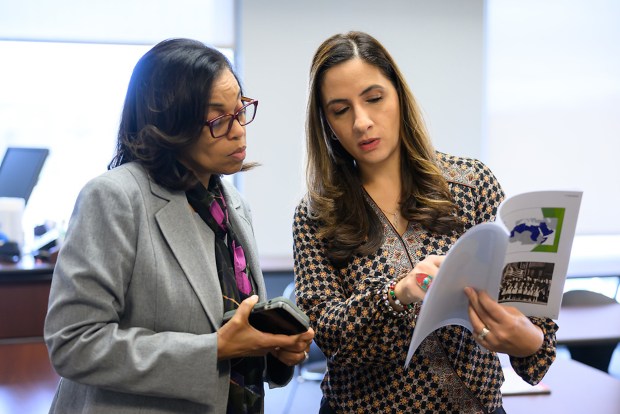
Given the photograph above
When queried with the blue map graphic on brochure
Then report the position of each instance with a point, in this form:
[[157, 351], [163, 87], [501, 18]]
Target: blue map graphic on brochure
[[533, 230]]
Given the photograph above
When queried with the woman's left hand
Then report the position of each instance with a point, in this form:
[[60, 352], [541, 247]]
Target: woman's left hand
[[292, 356], [502, 328]]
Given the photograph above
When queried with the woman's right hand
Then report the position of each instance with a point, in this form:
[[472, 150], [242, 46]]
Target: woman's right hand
[[407, 289], [237, 338]]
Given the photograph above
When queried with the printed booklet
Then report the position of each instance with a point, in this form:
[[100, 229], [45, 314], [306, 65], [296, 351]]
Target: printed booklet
[[520, 259]]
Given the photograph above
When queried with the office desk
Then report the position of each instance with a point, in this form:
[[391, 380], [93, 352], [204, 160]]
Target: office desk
[[24, 294], [575, 389], [26, 270]]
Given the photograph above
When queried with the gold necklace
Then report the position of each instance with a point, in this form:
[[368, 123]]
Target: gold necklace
[[394, 216]]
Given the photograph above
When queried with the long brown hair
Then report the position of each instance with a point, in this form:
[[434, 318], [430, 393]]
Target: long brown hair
[[335, 193]]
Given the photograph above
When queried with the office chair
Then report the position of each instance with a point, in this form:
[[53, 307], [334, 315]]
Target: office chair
[[313, 369], [595, 355]]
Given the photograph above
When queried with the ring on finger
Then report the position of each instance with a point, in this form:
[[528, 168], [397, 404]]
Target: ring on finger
[[485, 331], [306, 356]]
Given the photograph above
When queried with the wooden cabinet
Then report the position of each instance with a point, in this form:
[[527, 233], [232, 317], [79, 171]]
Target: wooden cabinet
[[24, 294], [27, 379], [23, 305]]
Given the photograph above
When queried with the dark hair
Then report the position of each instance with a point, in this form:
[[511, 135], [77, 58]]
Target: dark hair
[[335, 191], [164, 108]]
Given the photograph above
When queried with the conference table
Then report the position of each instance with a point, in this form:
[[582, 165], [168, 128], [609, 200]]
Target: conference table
[[575, 388]]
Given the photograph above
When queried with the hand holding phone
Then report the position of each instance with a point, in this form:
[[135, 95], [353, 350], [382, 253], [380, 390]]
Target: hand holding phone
[[278, 316]]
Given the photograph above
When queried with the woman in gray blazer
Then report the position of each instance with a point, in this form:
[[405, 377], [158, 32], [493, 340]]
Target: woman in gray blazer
[[158, 248]]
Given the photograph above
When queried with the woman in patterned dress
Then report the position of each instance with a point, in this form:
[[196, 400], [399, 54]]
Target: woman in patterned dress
[[382, 209]]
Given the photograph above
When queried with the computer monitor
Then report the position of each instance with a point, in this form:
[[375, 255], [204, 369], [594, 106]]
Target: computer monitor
[[20, 171]]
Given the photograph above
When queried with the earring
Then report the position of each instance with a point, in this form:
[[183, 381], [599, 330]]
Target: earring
[[333, 136]]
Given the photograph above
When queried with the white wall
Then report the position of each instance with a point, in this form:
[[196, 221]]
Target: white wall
[[554, 102], [437, 44]]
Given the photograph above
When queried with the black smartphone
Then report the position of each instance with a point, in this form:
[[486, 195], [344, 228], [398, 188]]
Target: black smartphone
[[278, 316]]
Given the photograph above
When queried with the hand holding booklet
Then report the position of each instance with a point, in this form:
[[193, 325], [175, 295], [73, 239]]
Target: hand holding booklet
[[520, 259]]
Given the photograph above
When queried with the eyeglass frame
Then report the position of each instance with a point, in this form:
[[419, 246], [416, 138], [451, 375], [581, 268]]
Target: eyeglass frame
[[235, 116]]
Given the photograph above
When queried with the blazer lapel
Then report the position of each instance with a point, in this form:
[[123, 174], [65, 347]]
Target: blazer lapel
[[196, 259]]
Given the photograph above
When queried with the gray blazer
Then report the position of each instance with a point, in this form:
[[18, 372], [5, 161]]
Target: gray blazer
[[135, 301]]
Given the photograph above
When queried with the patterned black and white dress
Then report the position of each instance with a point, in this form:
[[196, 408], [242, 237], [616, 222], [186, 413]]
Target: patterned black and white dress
[[366, 344]]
